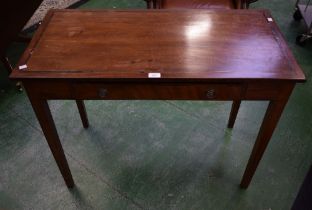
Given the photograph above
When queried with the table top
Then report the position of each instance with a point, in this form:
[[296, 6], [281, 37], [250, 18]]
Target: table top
[[178, 44]]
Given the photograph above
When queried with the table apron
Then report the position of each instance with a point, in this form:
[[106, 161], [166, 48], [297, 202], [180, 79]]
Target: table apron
[[157, 91]]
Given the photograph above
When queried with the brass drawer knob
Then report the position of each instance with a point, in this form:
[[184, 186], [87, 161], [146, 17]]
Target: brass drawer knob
[[102, 92], [210, 93]]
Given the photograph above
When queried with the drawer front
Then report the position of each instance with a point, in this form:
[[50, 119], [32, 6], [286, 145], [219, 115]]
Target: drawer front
[[161, 91]]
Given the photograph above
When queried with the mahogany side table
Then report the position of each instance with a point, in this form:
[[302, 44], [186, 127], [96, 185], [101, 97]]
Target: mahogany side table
[[158, 55]]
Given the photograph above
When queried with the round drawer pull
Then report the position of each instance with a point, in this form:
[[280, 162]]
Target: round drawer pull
[[102, 92], [210, 93]]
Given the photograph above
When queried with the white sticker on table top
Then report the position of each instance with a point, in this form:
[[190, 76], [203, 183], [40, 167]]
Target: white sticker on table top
[[154, 75], [22, 67], [270, 19]]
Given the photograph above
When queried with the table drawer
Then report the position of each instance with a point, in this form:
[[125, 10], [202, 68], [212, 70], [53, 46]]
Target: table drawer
[[161, 91]]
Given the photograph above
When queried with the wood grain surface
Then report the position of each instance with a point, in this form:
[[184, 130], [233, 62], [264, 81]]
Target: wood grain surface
[[179, 44]]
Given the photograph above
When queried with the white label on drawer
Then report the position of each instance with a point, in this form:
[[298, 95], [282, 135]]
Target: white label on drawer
[[270, 19], [22, 67], [154, 75]]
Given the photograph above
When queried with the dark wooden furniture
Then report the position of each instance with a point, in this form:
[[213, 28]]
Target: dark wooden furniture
[[14, 16], [199, 4], [304, 198], [150, 4], [159, 55]]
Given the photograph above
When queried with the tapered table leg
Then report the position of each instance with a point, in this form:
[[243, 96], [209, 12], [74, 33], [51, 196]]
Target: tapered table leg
[[83, 113], [269, 123], [234, 111], [45, 119]]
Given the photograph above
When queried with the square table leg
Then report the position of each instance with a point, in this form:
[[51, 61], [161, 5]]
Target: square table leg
[[234, 111], [271, 118], [83, 113], [43, 113]]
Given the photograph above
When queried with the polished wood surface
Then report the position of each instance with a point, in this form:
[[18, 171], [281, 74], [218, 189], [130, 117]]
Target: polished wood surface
[[200, 55], [179, 45]]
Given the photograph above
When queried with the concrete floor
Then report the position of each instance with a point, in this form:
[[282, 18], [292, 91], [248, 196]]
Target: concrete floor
[[156, 154]]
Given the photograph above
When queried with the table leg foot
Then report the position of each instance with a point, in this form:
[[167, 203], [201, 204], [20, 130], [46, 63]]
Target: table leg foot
[[234, 111], [83, 113], [42, 111]]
